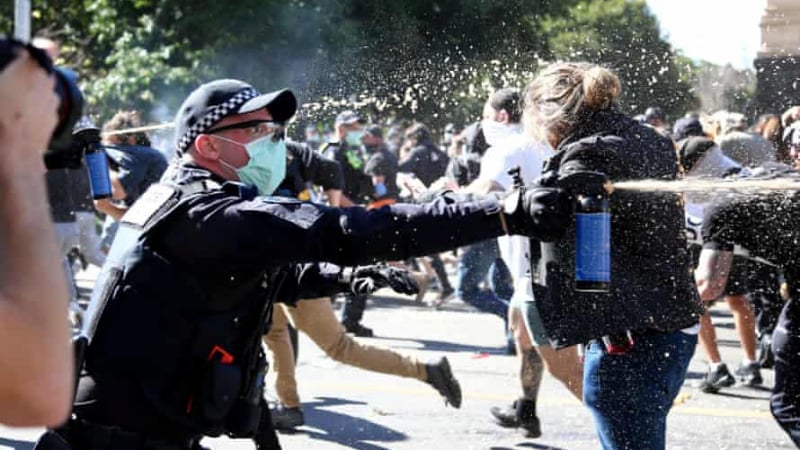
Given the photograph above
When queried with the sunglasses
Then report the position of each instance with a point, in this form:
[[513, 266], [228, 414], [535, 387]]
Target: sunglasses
[[256, 128]]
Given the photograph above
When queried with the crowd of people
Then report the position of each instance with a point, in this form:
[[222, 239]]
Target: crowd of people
[[246, 237]]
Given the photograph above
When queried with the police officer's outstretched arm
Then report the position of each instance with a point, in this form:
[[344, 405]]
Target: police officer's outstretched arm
[[35, 357], [273, 231]]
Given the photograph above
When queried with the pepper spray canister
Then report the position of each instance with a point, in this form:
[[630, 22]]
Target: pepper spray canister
[[590, 193], [97, 165], [96, 161]]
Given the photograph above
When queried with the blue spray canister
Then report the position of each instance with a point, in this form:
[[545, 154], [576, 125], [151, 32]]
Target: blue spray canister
[[590, 191], [96, 161]]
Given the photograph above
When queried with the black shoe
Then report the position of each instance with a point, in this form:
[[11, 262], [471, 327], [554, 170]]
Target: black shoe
[[287, 418], [750, 374], [358, 329], [505, 416], [764, 355], [521, 414], [717, 379], [441, 378]]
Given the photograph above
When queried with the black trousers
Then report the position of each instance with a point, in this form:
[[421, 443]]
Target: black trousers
[[764, 285], [353, 311], [785, 400]]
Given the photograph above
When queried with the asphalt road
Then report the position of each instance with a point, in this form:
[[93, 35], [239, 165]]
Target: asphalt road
[[349, 408]]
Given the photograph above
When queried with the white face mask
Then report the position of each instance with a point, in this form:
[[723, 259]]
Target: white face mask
[[496, 132]]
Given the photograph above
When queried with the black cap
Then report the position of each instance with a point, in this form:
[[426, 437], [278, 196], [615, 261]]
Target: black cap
[[348, 117], [653, 113], [692, 150], [688, 126], [374, 130], [212, 102]]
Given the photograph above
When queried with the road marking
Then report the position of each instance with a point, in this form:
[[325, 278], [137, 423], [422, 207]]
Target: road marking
[[543, 400]]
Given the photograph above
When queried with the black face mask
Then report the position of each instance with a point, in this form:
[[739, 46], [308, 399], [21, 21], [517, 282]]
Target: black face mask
[[372, 148]]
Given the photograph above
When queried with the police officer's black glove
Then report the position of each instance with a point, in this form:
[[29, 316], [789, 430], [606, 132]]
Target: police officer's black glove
[[368, 279], [542, 213]]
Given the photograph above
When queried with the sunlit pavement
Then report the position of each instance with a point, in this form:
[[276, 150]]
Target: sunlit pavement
[[347, 407]]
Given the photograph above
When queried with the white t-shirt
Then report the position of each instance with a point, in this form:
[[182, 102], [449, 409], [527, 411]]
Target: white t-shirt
[[516, 149]]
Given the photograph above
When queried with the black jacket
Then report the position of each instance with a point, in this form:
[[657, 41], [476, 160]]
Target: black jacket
[[425, 161], [307, 166], [357, 185], [651, 284]]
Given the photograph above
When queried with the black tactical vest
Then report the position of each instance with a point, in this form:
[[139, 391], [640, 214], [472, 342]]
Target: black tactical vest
[[174, 354]]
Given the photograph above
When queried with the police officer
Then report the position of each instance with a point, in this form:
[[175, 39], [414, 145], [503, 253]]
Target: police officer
[[181, 304], [346, 150], [767, 226]]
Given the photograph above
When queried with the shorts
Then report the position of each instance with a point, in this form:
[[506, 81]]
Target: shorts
[[737, 279], [533, 321]]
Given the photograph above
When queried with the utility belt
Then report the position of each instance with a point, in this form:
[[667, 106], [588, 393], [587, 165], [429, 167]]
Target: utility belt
[[81, 435]]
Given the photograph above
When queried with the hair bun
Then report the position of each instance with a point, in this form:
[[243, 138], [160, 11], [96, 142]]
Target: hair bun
[[601, 88]]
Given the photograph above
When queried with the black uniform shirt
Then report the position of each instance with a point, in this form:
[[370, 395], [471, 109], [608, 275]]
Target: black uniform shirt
[[307, 166], [768, 226], [383, 163], [425, 161], [357, 185], [250, 235]]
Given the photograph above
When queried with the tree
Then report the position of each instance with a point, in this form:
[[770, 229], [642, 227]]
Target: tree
[[624, 36]]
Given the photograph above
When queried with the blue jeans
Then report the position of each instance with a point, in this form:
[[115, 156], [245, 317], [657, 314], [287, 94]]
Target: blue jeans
[[785, 400], [476, 262], [630, 395]]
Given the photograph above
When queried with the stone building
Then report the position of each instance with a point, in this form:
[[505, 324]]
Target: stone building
[[778, 62]]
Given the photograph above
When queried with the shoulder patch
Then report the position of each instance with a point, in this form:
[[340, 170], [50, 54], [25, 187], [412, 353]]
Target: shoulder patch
[[152, 201]]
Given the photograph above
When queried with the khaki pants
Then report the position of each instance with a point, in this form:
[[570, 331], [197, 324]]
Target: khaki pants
[[317, 320]]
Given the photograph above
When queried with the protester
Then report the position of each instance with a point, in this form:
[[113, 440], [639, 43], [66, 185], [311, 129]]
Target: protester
[[747, 149], [382, 167], [701, 157], [36, 374], [651, 298], [133, 167], [766, 225], [511, 150]]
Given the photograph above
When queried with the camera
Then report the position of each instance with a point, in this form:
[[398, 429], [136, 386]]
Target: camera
[[63, 151]]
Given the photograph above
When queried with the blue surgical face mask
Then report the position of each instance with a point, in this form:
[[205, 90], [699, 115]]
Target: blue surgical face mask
[[354, 137], [267, 165]]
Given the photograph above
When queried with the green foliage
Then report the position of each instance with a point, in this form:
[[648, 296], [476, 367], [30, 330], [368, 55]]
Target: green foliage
[[624, 36], [434, 60]]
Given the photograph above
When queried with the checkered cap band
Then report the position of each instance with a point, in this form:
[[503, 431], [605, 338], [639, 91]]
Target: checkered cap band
[[218, 113]]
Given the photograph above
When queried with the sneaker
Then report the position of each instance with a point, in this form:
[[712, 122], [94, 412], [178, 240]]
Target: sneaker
[[358, 330], [441, 378], [287, 418], [717, 379], [750, 374]]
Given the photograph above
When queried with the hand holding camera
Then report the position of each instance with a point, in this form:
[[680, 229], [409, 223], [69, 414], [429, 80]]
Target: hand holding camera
[[28, 116]]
